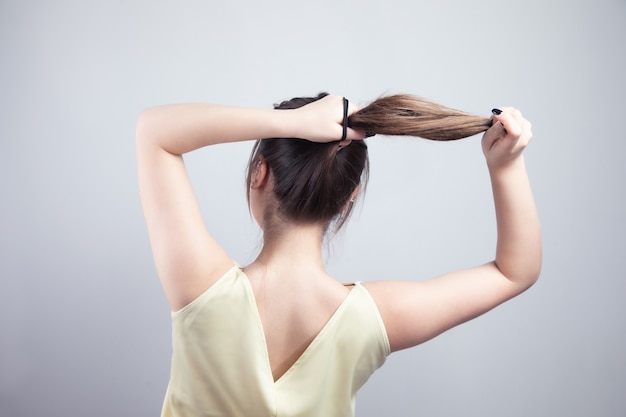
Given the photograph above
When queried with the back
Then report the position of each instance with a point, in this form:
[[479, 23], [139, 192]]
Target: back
[[220, 364]]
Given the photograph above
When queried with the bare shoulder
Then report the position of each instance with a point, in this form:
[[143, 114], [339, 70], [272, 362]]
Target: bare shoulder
[[187, 258], [417, 311]]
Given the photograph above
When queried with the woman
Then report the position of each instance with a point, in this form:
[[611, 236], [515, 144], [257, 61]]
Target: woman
[[280, 337]]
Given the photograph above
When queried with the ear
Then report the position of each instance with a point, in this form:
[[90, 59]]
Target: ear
[[352, 199], [355, 193], [260, 174]]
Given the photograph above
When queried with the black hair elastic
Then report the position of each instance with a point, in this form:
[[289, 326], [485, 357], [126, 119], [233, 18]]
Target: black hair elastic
[[345, 119]]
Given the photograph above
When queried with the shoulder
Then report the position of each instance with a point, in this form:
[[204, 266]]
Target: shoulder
[[363, 316], [192, 290], [417, 311]]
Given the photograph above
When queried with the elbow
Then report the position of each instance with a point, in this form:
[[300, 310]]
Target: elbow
[[531, 278], [535, 274], [523, 275], [144, 126], [534, 268], [521, 266], [152, 132]]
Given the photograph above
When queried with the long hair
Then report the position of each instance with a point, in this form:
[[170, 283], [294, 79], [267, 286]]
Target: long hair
[[313, 182], [407, 115]]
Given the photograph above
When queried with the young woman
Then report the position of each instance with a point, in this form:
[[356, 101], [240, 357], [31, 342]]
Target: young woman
[[280, 337]]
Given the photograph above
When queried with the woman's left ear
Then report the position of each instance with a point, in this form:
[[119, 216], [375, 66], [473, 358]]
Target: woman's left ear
[[354, 194], [352, 199]]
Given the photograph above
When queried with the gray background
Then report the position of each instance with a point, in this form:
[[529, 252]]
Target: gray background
[[84, 326]]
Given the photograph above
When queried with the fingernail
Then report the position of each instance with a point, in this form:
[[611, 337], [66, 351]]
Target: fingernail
[[497, 112], [369, 135]]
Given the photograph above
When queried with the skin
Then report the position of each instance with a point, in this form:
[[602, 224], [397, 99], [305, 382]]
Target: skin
[[294, 293]]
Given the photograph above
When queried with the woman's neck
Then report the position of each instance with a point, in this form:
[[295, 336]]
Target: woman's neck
[[293, 246]]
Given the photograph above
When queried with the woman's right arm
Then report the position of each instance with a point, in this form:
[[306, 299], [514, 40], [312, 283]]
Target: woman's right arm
[[187, 258]]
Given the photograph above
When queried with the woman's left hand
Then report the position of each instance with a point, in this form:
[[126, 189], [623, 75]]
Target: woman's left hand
[[505, 141]]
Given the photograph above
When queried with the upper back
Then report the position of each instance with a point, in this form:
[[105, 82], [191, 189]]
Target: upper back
[[220, 360]]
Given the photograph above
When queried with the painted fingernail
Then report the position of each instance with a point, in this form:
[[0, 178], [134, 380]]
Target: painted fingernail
[[497, 112], [369, 135]]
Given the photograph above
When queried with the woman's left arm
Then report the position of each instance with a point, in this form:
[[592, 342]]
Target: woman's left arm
[[518, 250], [414, 312]]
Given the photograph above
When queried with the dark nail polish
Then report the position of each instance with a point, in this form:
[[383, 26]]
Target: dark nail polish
[[369, 135], [497, 112]]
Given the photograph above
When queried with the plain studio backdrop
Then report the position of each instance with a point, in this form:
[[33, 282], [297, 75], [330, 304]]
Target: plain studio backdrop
[[84, 325]]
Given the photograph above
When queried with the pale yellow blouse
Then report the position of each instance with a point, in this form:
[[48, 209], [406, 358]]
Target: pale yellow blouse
[[220, 365]]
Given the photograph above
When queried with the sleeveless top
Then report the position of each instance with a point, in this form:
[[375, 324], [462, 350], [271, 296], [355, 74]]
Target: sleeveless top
[[220, 365]]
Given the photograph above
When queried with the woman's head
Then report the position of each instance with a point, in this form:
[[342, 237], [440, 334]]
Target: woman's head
[[312, 183]]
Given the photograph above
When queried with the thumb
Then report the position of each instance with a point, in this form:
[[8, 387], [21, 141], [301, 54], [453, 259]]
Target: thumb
[[495, 132]]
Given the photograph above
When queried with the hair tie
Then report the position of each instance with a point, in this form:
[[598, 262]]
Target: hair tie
[[345, 119]]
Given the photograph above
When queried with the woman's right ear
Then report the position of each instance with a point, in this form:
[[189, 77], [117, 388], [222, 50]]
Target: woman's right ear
[[260, 174]]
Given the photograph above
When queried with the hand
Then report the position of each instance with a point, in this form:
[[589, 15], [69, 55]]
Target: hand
[[322, 121], [504, 142]]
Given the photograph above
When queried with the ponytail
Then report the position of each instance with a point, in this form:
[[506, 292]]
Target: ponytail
[[407, 115], [313, 182]]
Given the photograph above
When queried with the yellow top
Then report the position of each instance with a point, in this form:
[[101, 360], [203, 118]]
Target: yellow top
[[220, 365]]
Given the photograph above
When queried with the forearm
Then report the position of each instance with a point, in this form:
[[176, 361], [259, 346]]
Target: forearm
[[181, 128], [518, 251]]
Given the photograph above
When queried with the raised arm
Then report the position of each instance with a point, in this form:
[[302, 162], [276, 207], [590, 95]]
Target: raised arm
[[414, 312], [187, 258]]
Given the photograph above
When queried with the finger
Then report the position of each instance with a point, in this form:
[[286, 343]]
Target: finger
[[494, 134], [528, 129], [510, 120], [353, 108]]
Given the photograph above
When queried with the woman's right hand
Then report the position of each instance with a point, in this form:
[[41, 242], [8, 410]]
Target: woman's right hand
[[322, 121]]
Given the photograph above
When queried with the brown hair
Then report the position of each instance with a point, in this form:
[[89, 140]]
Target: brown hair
[[313, 182], [407, 115]]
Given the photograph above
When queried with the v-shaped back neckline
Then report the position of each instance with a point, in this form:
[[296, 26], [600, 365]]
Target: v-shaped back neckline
[[310, 347]]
